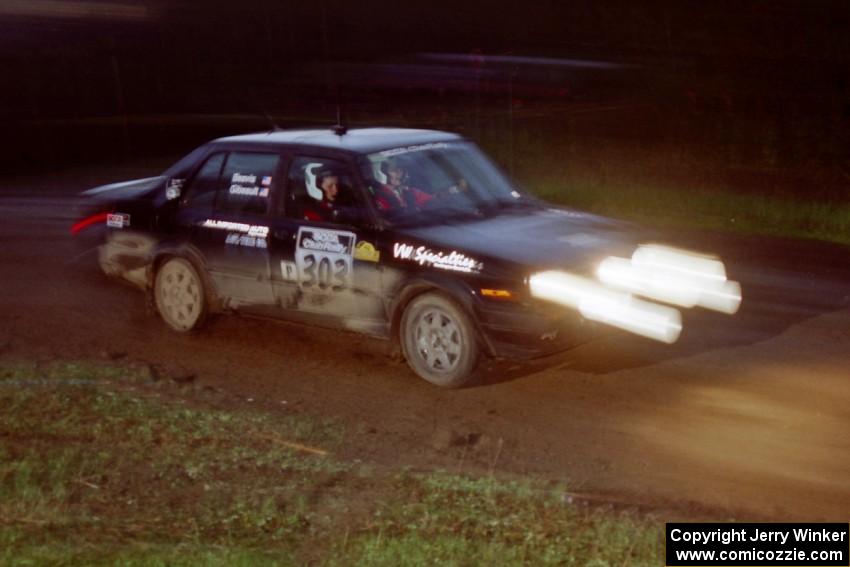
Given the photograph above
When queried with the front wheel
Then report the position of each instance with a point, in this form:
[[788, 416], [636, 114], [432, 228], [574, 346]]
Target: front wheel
[[439, 341], [179, 295]]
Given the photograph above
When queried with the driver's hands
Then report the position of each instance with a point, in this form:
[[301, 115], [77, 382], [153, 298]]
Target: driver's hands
[[460, 187]]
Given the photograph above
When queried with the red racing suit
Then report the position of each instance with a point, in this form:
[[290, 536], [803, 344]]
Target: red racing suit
[[321, 211], [386, 198]]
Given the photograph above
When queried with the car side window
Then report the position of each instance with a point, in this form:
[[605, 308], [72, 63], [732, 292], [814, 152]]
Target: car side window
[[201, 190], [322, 190], [246, 182]]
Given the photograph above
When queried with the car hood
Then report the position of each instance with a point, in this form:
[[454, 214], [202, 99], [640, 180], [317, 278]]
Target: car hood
[[540, 238]]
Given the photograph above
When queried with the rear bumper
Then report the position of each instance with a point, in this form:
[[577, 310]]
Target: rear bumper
[[127, 255]]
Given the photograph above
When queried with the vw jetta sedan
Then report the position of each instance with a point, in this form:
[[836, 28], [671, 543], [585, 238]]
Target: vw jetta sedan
[[414, 236]]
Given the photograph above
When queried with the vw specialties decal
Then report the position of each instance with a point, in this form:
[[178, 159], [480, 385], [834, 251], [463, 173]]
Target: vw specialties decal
[[424, 256]]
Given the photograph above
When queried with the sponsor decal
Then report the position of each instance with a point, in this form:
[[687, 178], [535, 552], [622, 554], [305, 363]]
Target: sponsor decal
[[324, 258], [239, 239], [335, 241], [117, 220], [243, 179], [257, 231], [266, 180], [244, 191], [244, 185], [366, 251], [264, 192], [174, 188], [424, 256], [581, 240], [289, 271], [565, 213], [417, 148]]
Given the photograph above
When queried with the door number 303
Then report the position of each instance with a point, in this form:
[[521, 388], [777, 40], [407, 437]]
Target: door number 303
[[324, 271], [318, 271]]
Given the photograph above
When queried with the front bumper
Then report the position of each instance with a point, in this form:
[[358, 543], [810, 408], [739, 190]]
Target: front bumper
[[528, 330]]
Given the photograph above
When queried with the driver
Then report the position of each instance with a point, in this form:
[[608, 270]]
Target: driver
[[396, 193], [328, 181]]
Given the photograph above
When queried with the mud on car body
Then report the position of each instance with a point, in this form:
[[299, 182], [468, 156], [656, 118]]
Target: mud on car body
[[423, 241]]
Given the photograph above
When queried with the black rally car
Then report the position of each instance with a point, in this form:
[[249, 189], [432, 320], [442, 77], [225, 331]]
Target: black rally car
[[410, 235]]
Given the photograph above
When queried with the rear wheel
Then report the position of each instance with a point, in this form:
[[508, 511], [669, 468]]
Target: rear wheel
[[439, 340], [179, 295]]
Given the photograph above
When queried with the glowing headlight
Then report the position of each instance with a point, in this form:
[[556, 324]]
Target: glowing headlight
[[673, 276], [614, 308], [654, 272]]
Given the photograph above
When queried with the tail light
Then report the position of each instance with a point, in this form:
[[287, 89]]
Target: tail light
[[88, 221]]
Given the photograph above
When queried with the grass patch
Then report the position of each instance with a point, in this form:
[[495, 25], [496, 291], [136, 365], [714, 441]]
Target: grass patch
[[97, 466], [456, 520], [634, 164], [656, 205]]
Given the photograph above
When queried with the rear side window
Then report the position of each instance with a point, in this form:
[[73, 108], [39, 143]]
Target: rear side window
[[202, 188], [246, 182]]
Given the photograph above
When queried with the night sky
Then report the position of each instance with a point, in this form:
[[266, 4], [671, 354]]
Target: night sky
[[86, 60]]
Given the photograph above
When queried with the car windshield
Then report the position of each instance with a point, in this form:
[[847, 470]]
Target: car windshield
[[436, 182]]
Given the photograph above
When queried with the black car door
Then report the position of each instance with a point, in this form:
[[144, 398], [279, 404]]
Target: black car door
[[326, 265], [227, 207]]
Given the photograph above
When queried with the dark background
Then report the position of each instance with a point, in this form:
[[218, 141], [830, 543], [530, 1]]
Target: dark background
[[760, 88]]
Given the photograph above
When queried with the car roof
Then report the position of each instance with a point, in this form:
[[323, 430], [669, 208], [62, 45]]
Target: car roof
[[357, 140]]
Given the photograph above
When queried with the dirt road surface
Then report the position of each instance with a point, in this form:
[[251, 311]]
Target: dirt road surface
[[746, 417]]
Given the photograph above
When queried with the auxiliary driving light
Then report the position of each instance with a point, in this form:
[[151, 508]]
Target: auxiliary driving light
[[673, 276], [655, 272]]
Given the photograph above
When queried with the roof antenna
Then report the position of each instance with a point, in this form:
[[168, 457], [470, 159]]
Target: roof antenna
[[338, 128], [275, 127]]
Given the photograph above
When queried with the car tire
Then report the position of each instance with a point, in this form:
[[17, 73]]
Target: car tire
[[439, 341], [179, 295]]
